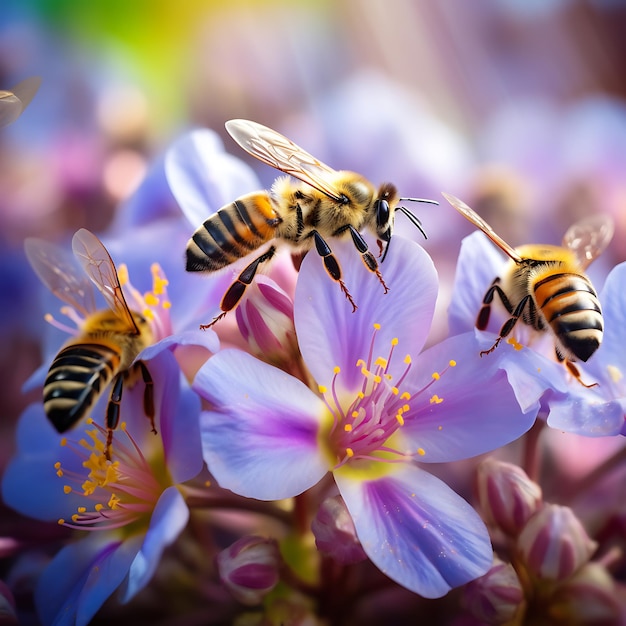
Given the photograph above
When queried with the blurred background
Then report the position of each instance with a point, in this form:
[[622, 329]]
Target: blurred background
[[516, 106]]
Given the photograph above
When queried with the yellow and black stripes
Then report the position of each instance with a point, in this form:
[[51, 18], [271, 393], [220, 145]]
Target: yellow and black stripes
[[75, 380]]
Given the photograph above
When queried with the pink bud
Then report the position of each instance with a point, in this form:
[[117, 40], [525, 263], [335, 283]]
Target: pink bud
[[334, 532], [495, 597], [588, 597], [554, 543], [506, 495], [265, 321], [249, 568]]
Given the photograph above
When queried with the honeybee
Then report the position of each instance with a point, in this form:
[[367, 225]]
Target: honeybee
[[109, 341], [546, 288], [13, 101], [329, 204]]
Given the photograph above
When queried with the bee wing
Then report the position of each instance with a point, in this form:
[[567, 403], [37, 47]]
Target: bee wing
[[57, 269], [480, 223], [99, 266], [276, 150], [589, 237], [13, 101]]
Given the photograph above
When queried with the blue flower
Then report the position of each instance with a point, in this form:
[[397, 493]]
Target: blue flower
[[131, 507], [380, 407]]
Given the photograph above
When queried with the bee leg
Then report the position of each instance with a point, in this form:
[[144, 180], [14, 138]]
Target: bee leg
[[331, 265], [237, 289], [368, 258], [483, 316], [573, 370], [113, 411], [148, 393], [507, 327]]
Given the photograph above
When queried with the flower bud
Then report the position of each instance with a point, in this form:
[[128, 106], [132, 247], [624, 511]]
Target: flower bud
[[588, 597], [249, 568], [506, 495], [554, 543], [334, 532], [495, 597], [265, 321]]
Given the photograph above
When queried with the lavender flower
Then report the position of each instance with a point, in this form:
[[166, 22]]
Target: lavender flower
[[375, 413]]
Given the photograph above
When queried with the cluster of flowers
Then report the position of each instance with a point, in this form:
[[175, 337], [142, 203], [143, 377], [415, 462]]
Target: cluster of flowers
[[292, 440]]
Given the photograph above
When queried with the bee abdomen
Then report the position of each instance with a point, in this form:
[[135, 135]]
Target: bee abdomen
[[75, 380], [232, 233], [570, 305]]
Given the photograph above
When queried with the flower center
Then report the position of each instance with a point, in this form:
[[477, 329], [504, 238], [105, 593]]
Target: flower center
[[365, 428], [116, 493]]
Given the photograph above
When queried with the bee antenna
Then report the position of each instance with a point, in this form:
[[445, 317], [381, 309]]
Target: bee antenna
[[414, 220], [419, 200]]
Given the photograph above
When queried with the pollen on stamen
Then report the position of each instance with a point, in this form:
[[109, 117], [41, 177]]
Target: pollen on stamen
[[150, 299], [512, 341], [122, 274], [348, 427], [436, 399], [67, 489], [395, 391], [376, 326], [436, 375], [399, 418], [349, 452], [452, 363], [336, 370], [421, 451], [381, 362], [322, 388], [407, 359], [148, 314], [61, 521]]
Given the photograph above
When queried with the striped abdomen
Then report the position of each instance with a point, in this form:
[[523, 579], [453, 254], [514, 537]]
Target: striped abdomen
[[77, 376], [232, 233], [570, 305]]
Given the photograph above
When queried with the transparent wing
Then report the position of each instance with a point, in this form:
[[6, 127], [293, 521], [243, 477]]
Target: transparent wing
[[57, 269], [480, 223], [589, 237], [13, 101], [99, 266], [276, 150]]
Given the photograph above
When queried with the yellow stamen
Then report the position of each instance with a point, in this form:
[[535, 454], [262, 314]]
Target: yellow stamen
[[421, 451], [347, 427], [394, 341], [512, 341], [349, 452], [113, 502], [614, 373], [407, 359], [67, 489], [436, 399], [150, 299], [452, 363], [336, 370], [122, 274], [376, 326], [436, 375], [322, 388], [381, 362]]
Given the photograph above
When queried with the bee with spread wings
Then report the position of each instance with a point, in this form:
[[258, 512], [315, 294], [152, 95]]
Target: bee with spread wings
[[546, 288], [109, 340], [326, 204]]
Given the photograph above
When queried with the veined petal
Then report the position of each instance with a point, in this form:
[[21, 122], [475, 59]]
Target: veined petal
[[417, 531], [478, 264], [468, 409], [330, 335], [203, 338], [203, 177], [169, 518], [260, 438], [81, 577]]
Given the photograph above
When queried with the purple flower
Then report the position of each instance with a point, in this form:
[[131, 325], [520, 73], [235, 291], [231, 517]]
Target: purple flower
[[533, 370], [376, 412], [131, 505]]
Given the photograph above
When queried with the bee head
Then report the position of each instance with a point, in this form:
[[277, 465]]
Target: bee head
[[385, 206]]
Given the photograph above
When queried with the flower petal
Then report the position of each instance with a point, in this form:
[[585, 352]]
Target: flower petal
[[169, 518], [203, 177], [468, 409], [331, 335], [81, 577], [417, 530], [260, 439], [478, 264]]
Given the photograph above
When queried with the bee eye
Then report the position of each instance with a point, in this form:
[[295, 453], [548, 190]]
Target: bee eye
[[382, 214]]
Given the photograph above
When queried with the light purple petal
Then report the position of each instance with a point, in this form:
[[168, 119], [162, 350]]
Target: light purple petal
[[469, 410], [178, 423], [203, 177], [417, 530], [478, 264], [260, 438], [81, 577], [331, 335], [202, 338], [584, 412], [169, 518]]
